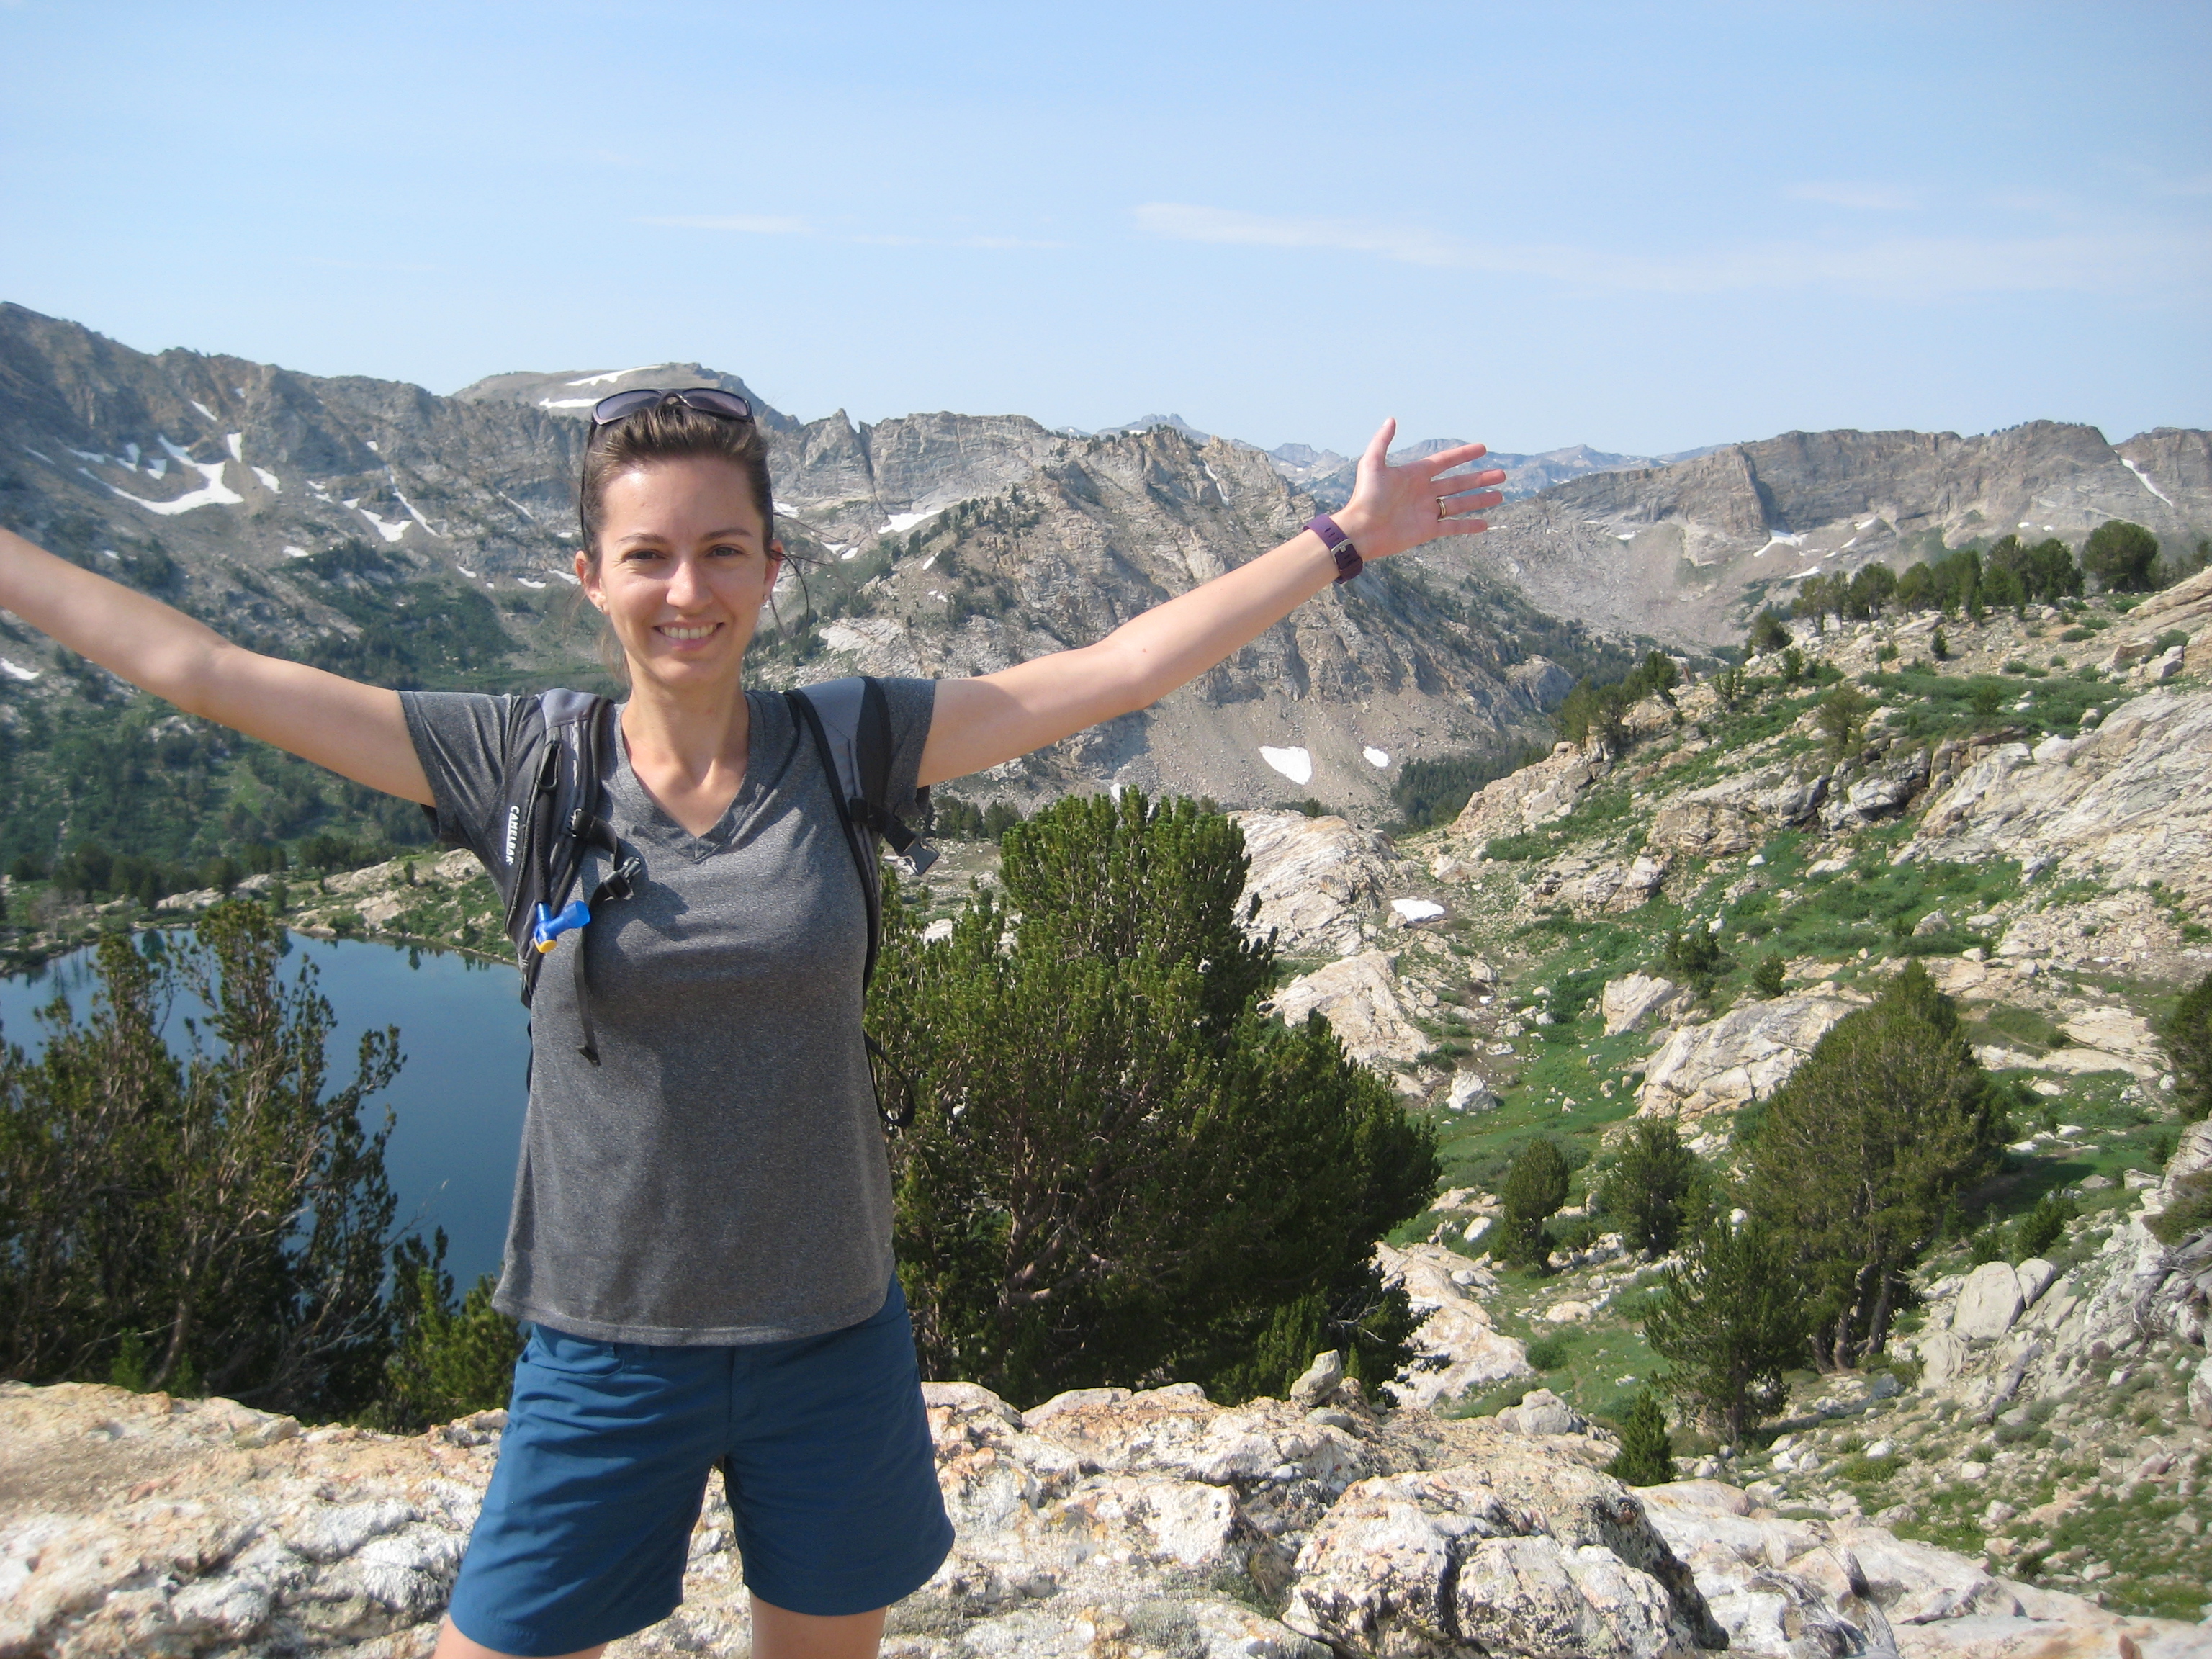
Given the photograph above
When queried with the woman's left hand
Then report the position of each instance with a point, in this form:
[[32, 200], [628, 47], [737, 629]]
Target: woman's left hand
[[1393, 508]]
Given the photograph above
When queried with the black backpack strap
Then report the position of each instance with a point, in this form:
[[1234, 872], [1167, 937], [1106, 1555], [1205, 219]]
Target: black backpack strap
[[850, 720], [624, 869], [554, 818], [844, 787]]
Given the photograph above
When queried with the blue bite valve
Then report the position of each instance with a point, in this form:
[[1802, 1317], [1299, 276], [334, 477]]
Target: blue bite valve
[[550, 927]]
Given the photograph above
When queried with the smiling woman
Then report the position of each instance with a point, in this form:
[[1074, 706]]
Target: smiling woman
[[701, 1234]]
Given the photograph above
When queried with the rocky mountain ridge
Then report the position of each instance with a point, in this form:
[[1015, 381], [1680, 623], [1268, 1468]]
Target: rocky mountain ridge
[[1691, 549], [307, 514]]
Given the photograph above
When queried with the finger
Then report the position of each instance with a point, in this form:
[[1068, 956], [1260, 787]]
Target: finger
[[1462, 526], [1378, 446], [1454, 507], [1467, 481], [1445, 459]]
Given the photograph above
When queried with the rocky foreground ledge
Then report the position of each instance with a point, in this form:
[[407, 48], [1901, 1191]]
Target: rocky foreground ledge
[[1101, 1524]]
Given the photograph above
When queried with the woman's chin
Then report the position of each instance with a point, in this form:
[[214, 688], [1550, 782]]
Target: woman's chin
[[689, 669]]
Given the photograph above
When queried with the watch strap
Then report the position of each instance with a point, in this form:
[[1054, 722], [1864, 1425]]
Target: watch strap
[[1348, 562]]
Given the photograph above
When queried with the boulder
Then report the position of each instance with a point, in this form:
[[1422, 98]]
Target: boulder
[[1317, 1384], [1439, 1564], [1744, 1055], [2200, 1393], [1612, 888], [1640, 1000], [1318, 880], [1455, 1347], [1988, 1302], [1889, 786], [1943, 1357], [2118, 1031], [1534, 795], [2035, 1275], [1542, 1412], [1700, 828], [2132, 804], [1358, 996], [2193, 1152], [1469, 1093]]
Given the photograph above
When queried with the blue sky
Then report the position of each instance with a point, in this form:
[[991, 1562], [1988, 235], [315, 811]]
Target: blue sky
[[1644, 227]]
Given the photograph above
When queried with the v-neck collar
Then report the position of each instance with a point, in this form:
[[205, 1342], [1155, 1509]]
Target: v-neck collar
[[653, 823]]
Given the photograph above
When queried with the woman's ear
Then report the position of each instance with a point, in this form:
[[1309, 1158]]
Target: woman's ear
[[587, 577]]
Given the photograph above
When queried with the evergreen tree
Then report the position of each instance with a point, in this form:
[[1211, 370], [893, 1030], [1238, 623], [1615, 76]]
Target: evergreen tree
[[2186, 1034], [1730, 1322], [1119, 1169], [2051, 572], [1842, 717], [1649, 1188], [1770, 632], [2122, 556], [446, 1360], [216, 1220], [1694, 957], [1646, 1457], [1536, 1187], [1856, 1157], [1916, 588]]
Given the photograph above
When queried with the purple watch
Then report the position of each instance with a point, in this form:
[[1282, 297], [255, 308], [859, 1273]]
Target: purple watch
[[1348, 562]]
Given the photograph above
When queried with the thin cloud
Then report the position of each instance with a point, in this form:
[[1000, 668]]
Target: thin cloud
[[381, 267], [761, 224], [1872, 198], [752, 224], [1910, 267]]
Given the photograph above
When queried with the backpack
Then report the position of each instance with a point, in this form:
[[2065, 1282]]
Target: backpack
[[553, 813]]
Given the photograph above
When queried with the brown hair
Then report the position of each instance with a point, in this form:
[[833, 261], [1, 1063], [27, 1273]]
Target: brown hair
[[669, 431]]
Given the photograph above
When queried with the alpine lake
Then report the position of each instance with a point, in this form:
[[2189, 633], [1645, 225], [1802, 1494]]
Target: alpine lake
[[457, 1104]]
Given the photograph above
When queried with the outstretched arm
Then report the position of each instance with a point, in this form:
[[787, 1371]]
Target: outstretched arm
[[353, 729], [979, 723]]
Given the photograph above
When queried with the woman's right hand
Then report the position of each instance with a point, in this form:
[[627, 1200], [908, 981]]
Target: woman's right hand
[[356, 731]]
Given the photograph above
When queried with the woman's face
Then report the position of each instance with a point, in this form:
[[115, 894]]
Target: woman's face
[[685, 565]]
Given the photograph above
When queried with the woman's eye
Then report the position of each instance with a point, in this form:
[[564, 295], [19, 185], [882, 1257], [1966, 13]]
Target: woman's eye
[[727, 550]]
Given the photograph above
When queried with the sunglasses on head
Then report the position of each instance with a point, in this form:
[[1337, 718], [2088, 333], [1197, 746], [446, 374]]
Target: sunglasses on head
[[707, 399]]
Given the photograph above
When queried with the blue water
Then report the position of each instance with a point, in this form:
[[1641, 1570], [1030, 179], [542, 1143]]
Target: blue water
[[458, 1102]]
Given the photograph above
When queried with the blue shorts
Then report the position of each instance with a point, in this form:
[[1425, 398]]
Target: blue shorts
[[603, 1468]]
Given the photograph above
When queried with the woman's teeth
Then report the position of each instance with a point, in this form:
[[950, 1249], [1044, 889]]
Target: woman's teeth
[[699, 633]]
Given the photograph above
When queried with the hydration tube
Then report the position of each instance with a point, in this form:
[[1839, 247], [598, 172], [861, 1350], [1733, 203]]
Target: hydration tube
[[549, 927]]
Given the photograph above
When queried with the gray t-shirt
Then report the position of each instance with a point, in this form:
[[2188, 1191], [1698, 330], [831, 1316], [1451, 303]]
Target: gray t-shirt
[[721, 1176]]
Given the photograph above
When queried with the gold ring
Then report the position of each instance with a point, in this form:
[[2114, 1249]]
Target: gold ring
[[1440, 507]]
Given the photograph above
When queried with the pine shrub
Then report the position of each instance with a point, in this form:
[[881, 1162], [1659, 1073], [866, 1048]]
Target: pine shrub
[[1648, 1188], [1729, 1320], [1855, 1159], [1646, 1457], [1535, 1188], [2187, 1035], [1120, 1169], [2043, 1226]]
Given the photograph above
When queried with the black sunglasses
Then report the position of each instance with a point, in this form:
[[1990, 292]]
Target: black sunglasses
[[707, 399]]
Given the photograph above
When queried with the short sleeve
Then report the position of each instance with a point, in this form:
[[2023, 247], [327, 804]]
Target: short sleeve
[[912, 704], [460, 738]]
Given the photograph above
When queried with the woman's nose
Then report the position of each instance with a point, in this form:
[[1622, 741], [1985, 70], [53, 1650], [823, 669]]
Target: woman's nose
[[687, 583]]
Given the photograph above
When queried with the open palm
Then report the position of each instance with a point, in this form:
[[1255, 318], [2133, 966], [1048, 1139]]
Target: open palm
[[1396, 507]]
